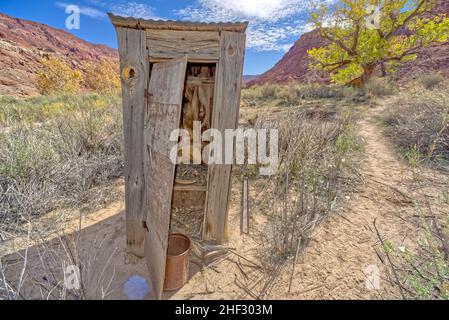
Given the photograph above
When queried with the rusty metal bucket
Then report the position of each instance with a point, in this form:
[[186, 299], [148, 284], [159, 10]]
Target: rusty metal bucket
[[177, 267]]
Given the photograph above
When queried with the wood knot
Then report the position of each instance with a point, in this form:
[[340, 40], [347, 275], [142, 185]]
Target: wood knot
[[128, 73]]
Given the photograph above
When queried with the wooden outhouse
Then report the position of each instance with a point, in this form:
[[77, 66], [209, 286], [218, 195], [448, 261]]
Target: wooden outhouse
[[174, 73]]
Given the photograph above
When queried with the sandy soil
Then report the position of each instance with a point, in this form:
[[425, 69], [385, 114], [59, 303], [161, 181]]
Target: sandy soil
[[334, 265]]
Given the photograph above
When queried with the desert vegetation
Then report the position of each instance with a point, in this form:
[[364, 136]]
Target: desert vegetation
[[58, 152], [424, 271], [419, 125], [60, 155], [295, 94], [63, 154]]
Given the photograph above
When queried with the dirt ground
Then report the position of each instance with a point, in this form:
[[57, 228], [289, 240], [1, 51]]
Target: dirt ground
[[335, 265]]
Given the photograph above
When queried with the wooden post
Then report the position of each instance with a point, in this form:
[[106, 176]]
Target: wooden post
[[134, 70], [245, 214], [225, 116]]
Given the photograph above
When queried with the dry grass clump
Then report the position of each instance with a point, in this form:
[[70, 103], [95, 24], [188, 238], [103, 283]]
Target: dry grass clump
[[380, 87], [314, 172], [318, 91], [420, 125], [70, 161], [431, 81]]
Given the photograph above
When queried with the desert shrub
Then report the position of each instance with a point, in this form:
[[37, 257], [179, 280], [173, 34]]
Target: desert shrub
[[423, 269], [71, 161], [420, 122], [316, 157], [430, 276], [258, 95], [262, 92], [291, 94], [103, 77], [268, 91], [57, 76], [379, 87], [430, 81], [412, 155], [318, 91]]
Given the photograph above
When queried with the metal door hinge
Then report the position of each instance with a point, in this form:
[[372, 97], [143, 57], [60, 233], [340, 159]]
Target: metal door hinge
[[147, 94]]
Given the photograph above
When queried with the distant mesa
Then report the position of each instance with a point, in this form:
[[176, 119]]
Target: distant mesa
[[24, 43]]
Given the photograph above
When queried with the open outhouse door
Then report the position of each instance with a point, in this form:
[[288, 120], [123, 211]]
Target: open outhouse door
[[163, 115], [175, 74]]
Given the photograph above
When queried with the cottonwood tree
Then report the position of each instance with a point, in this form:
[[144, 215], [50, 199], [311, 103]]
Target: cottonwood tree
[[365, 36], [56, 76]]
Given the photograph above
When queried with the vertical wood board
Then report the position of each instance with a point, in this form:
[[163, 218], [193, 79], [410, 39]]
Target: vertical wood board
[[225, 116], [134, 77]]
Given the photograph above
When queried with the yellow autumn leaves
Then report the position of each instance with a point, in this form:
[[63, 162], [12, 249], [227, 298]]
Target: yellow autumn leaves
[[57, 76]]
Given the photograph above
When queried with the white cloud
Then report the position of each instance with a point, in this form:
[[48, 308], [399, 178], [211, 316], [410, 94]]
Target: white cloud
[[87, 11], [127, 8], [268, 10], [134, 9], [274, 24]]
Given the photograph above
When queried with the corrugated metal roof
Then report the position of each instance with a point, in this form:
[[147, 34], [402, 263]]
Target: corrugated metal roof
[[176, 25]]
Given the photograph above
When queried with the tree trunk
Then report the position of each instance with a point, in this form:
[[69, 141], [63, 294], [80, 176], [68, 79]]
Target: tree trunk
[[383, 69], [368, 71]]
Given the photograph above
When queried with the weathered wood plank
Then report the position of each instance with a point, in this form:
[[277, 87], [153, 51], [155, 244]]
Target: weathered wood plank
[[192, 60], [225, 116], [134, 70], [163, 115], [173, 44]]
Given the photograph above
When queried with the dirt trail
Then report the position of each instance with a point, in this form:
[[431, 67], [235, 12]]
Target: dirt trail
[[335, 264]]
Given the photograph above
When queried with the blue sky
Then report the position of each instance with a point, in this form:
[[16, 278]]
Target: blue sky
[[274, 24]]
